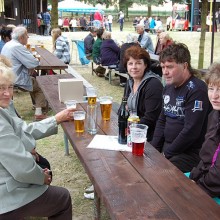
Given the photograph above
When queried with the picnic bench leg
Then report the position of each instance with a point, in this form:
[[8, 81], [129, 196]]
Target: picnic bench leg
[[66, 144], [97, 206], [110, 76]]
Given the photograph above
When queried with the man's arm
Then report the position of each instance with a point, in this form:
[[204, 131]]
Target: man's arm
[[25, 57]]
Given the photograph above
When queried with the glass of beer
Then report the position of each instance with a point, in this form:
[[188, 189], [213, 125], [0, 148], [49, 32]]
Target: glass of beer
[[138, 138], [92, 95], [79, 118], [106, 107], [70, 103], [28, 46], [32, 48]]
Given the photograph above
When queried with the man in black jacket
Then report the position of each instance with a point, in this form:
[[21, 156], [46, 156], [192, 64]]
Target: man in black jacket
[[89, 41], [181, 127]]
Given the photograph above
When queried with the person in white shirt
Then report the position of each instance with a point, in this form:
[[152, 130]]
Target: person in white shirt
[[73, 24], [110, 19], [60, 22]]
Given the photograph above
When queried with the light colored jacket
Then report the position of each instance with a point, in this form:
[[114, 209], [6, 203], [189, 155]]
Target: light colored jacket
[[22, 60], [21, 179], [146, 42]]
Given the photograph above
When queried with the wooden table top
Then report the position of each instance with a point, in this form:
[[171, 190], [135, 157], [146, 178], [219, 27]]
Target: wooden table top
[[49, 60], [133, 187]]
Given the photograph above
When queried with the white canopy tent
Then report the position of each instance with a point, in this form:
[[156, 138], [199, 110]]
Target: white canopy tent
[[74, 6]]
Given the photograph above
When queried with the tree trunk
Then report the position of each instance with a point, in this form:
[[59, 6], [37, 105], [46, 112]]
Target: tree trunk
[[149, 11], [203, 33], [54, 14]]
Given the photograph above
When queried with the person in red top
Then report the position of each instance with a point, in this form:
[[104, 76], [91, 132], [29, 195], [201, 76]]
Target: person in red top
[[164, 40], [97, 19], [66, 24]]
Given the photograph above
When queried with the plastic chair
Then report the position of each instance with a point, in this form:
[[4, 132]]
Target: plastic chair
[[80, 48]]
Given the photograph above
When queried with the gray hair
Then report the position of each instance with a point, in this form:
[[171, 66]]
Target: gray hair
[[140, 26], [7, 73], [131, 38], [18, 32], [106, 35]]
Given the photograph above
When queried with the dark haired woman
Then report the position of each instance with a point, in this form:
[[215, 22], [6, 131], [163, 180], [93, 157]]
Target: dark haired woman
[[143, 89]]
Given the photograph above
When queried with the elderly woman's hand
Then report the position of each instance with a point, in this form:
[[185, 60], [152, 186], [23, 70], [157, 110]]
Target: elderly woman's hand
[[65, 115], [47, 177]]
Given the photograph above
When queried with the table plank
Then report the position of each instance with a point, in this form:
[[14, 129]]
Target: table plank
[[49, 60]]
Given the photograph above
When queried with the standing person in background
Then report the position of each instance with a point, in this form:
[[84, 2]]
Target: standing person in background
[[121, 20], [110, 20], [105, 22], [143, 89], [152, 25], [47, 19], [73, 24], [181, 127], [60, 22], [206, 174], [169, 22], [144, 39], [61, 46], [66, 24], [97, 19]]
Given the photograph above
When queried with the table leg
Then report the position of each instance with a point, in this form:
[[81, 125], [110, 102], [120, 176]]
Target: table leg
[[97, 206], [66, 144]]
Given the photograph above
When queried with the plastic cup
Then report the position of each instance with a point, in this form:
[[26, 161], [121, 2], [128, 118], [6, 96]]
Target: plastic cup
[[138, 138], [92, 95], [70, 103], [79, 118], [106, 107]]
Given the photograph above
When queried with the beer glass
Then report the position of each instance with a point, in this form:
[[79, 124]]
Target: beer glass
[[28, 46], [106, 107], [32, 48], [79, 118], [92, 95], [138, 138], [70, 103]]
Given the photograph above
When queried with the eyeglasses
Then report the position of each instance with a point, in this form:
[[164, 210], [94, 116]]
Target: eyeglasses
[[4, 88]]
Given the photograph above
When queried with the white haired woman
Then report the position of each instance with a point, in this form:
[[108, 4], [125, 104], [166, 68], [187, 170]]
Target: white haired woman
[[25, 186]]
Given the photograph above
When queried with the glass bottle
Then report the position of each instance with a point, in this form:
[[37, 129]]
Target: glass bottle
[[123, 115]]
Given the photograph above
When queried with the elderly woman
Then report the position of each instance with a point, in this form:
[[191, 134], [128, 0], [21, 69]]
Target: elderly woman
[[25, 187], [132, 40], [144, 89], [206, 174], [109, 50], [61, 46], [164, 40]]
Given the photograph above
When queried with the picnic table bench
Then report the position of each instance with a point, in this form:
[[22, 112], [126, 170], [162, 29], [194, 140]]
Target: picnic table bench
[[132, 187]]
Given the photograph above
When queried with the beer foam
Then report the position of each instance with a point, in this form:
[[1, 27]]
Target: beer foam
[[79, 117], [105, 102]]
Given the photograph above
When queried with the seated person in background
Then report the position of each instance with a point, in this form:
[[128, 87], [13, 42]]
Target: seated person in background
[[131, 41], [144, 39], [109, 50], [21, 177], [61, 47], [206, 174], [23, 64], [181, 127], [5, 33], [89, 41], [100, 71], [143, 89], [165, 40]]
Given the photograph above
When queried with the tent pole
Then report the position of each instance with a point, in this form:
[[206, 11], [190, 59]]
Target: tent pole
[[213, 32]]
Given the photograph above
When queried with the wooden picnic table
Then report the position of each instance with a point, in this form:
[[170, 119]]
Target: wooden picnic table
[[49, 61], [132, 187]]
